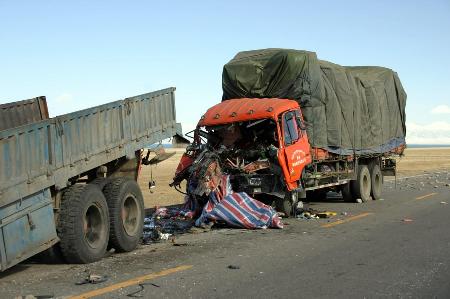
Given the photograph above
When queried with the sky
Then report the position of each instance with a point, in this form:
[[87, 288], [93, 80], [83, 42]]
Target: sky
[[85, 53]]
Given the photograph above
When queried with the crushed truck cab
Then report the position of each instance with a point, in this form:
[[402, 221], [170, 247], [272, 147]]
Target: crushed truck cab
[[261, 143], [287, 134]]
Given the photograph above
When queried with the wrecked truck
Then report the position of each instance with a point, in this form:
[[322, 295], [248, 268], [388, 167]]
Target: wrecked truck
[[71, 181], [291, 126]]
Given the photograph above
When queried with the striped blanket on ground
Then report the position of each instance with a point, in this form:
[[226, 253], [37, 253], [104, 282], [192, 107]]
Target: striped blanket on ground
[[238, 210]]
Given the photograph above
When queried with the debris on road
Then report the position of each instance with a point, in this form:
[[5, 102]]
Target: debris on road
[[165, 223], [308, 213], [407, 220], [326, 214], [223, 207], [444, 202], [93, 279], [234, 267], [136, 294]]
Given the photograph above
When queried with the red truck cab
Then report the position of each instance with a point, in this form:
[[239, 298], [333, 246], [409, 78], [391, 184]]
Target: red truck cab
[[293, 146], [243, 132]]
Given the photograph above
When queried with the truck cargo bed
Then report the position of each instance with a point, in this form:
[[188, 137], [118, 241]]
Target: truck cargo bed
[[42, 155]]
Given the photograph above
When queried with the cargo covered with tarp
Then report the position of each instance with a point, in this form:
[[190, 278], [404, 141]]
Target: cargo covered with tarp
[[346, 109]]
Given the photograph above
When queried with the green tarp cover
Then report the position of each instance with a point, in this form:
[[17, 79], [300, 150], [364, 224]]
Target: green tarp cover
[[346, 109]]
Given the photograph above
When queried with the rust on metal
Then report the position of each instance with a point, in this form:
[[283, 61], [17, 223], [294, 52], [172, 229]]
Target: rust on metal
[[21, 113]]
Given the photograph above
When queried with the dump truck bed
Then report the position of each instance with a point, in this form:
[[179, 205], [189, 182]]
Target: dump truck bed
[[48, 153]]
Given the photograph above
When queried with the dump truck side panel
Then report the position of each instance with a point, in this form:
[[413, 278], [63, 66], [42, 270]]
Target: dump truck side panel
[[26, 228]]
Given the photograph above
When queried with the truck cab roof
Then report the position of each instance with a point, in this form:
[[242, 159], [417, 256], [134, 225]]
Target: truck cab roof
[[245, 109]]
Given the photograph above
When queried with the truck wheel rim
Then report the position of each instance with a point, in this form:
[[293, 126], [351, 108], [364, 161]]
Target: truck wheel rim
[[93, 226], [130, 215]]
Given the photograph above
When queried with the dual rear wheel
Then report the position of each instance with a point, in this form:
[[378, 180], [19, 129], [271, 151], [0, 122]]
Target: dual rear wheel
[[102, 214], [367, 186]]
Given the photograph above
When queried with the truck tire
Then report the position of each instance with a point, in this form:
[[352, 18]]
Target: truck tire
[[286, 205], [83, 225], [376, 178], [347, 194], [126, 211], [362, 186]]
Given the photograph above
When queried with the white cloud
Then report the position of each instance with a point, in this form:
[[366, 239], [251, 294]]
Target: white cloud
[[432, 133], [64, 98], [441, 109]]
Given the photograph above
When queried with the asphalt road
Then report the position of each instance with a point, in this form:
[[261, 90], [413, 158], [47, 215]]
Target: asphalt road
[[396, 247]]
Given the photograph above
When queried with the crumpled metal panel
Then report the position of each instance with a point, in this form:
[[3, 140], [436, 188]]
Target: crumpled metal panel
[[23, 112]]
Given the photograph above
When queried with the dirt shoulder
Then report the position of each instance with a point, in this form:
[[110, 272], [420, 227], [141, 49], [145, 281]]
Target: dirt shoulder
[[418, 160]]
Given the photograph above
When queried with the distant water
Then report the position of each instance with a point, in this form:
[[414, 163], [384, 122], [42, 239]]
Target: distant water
[[427, 145]]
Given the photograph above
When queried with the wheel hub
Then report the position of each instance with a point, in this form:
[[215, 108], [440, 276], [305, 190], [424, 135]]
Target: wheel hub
[[93, 226], [130, 215]]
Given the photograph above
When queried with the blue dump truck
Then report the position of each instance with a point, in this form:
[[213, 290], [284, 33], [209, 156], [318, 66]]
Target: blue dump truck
[[70, 181]]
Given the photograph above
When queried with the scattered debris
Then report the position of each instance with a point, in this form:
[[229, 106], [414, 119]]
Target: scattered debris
[[136, 294], [307, 215], [314, 214], [326, 214], [164, 236], [93, 279], [234, 267], [165, 223]]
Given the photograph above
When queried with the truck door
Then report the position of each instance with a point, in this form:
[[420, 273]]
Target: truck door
[[296, 146]]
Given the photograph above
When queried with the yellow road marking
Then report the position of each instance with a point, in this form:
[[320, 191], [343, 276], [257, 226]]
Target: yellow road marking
[[130, 282], [425, 196], [346, 220]]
